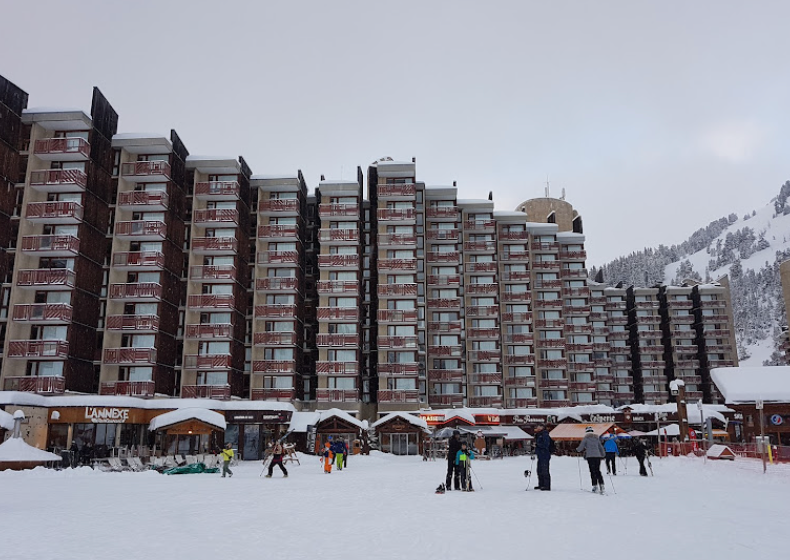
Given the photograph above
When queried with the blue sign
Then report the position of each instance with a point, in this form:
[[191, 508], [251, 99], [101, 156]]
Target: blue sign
[[777, 419]]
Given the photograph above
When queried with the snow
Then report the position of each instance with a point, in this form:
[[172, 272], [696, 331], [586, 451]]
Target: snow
[[675, 384], [35, 110], [6, 420], [717, 450], [407, 417], [16, 450], [671, 430], [692, 412], [300, 421], [384, 507], [749, 384], [272, 176], [139, 136], [19, 415], [759, 351], [184, 414], [325, 414]]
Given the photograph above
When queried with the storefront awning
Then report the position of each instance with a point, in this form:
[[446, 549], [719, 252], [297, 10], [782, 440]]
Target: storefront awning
[[575, 432], [510, 433]]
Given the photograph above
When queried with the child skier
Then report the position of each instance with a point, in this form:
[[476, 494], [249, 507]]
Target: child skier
[[462, 460], [327, 457]]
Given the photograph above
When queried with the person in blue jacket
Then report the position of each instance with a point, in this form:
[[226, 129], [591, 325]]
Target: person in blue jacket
[[544, 447], [610, 446], [462, 459]]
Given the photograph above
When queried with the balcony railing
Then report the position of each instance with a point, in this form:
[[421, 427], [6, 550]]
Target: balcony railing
[[402, 190], [519, 359], [387, 290], [144, 291], [453, 257], [139, 323], [543, 246], [46, 278], [522, 402], [144, 200], [680, 303], [513, 235], [482, 311], [55, 212], [274, 338], [211, 301], [484, 334], [215, 392], [212, 272], [339, 313], [453, 351], [485, 356], [399, 396], [210, 216], [573, 255], [480, 246], [340, 210], [519, 338], [516, 276], [451, 400], [482, 289], [222, 331], [446, 375], [337, 340], [480, 225], [407, 369], [142, 230], [338, 261], [520, 256], [397, 240], [287, 206], [52, 313], [285, 283], [282, 395], [51, 245], [130, 356], [445, 326], [217, 190], [337, 395], [553, 364], [143, 389], [397, 264], [38, 349], [278, 232], [440, 212], [58, 180], [528, 381], [573, 274], [445, 303], [397, 341], [208, 361], [338, 236], [516, 297], [216, 245], [158, 171], [485, 401], [337, 368], [481, 267], [516, 317], [275, 311], [42, 385], [330, 287], [549, 323], [274, 366], [443, 234], [397, 215], [581, 366], [546, 265], [443, 280], [139, 260], [486, 378], [63, 149], [721, 363]]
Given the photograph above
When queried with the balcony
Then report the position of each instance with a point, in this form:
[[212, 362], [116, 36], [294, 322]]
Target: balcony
[[58, 180], [337, 395], [397, 240], [521, 256], [338, 210], [143, 201], [720, 363], [386, 396], [516, 297], [337, 340], [647, 305], [443, 280], [552, 343], [277, 284], [718, 333], [658, 349], [135, 323], [215, 245], [42, 385], [211, 301], [288, 233], [543, 266], [142, 389], [217, 190], [46, 279], [443, 234], [576, 292], [62, 149], [581, 366], [401, 191], [514, 236], [519, 381], [621, 321], [485, 356], [493, 402], [339, 262], [276, 311], [442, 213], [714, 348], [54, 212], [516, 317], [554, 364], [679, 304], [279, 258], [274, 366], [519, 338], [548, 304], [554, 383], [141, 292], [397, 215], [43, 313], [451, 400], [394, 290], [141, 230], [482, 289], [520, 359], [339, 236], [480, 226], [406, 369], [215, 392], [445, 303], [397, 264], [279, 207], [210, 331], [573, 255], [138, 260], [446, 351], [516, 276], [597, 316], [146, 171], [713, 304], [649, 319], [51, 245], [681, 319], [522, 403], [479, 246], [481, 267], [453, 257], [341, 287], [208, 361], [213, 273], [486, 378], [545, 247], [446, 375], [282, 395], [386, 342], [573, 274], [130, 356], [215, 217], [445, 326], [482, 311], [549, 323], [340, 314], [484, 334], [397, 315], [337, 368]]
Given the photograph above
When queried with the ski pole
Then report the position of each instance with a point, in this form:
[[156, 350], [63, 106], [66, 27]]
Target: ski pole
[[612, 483], [625, 461], [476, 477], [579, 464], [531, 468]]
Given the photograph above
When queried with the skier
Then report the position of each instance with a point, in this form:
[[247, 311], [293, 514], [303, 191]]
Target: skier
[[640, 450], [462, 459], [454, 446], [544, 447], [612, 451], [227, 455], [277, 459], [327, 456], [340, 450], [593, 451]]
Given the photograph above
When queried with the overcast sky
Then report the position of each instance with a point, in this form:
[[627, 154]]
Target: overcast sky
[[655, 117]]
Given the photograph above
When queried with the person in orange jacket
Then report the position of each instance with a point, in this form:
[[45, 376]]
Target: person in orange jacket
[[327, 458]]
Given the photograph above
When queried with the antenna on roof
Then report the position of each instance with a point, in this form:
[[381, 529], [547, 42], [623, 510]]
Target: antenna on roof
[[548, 191], [563, 194]]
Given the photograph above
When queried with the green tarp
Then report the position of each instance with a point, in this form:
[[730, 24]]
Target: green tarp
[[196, 468]]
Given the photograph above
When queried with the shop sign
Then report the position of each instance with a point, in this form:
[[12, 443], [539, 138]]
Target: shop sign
[[433, 418], [602, 418], [530, 419], [256, 416], [486, 418], [106, 415], [777, 419], [640, 418]]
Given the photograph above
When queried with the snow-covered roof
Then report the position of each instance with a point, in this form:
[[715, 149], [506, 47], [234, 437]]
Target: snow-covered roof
[[718, 450], [271, 176], [185, 414], [473, 201], [692, 412], [671, 430], [326, 414], [6, 420], [301, 420], [16, 450], [419, 422], [750, 384], [138, 136], [510, 433]]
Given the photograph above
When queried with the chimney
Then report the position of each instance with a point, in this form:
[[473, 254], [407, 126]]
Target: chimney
[[455, 184], [414, 160], [322, 178]]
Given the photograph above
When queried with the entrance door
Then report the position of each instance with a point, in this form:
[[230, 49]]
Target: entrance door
[[400, 444], [252, 442]]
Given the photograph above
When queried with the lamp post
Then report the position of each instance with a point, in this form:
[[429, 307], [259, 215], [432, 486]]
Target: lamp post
[[759, 406]]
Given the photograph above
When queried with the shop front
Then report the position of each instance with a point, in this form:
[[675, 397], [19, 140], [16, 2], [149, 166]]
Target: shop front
[[401, 434], [332, 427], [251, 431], [188, 431]]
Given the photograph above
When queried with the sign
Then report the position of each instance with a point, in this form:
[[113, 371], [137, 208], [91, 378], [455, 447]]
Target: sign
[[777, 419], [257, 417], [433, 418], [758, 405], [602, 418], [534, 419], [486, 419], [106, 415]]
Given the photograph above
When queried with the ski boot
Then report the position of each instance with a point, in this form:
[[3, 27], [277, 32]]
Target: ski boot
[[440, 489]]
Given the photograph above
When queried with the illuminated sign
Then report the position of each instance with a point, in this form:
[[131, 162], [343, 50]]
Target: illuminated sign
[[486, 418], [433, 418], [106, 415]]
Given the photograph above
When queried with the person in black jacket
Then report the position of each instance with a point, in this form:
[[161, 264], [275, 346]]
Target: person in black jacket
[[640, 450], [453, 470], [543, 449]]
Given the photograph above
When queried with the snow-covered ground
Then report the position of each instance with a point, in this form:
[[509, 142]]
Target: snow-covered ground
[[384, 507]]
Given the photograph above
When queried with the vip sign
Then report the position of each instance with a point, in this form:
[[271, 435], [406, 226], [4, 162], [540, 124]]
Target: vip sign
[[106, 415]]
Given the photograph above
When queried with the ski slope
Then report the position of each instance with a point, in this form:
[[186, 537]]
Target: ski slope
[[384, 507]]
